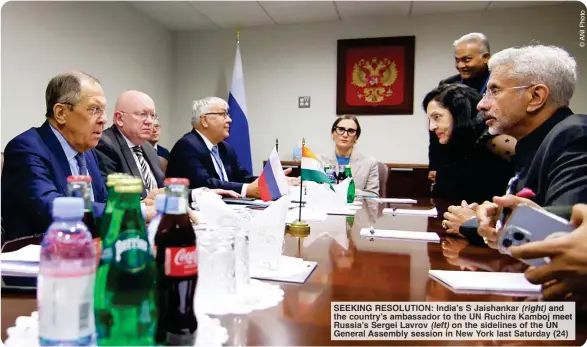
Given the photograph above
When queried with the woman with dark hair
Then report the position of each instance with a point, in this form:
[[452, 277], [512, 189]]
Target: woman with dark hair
[[478, 165], [345, 132]]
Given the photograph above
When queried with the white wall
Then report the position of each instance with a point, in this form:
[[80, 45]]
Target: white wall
[[283, 62], [110, 40]]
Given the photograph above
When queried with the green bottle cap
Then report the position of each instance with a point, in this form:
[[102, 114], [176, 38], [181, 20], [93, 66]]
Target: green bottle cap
[[129, 185]]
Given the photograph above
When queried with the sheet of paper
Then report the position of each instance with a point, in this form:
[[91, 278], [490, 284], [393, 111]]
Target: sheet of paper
[[30, 253], [505, 283], [293, 270], [19, 269], [396, 200], [401, 234], [407, 212]]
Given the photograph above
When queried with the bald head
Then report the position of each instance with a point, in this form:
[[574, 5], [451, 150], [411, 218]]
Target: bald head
[[132, 99], [134, 114]]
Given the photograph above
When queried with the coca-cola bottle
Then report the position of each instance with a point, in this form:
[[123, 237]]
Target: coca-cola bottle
[[79, 187], [177, 268]]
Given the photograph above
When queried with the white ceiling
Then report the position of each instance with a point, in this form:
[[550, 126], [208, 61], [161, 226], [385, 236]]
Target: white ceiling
[[206, 15]]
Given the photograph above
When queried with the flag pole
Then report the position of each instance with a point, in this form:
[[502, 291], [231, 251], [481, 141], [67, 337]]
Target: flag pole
[[299, 228], [301, 181]]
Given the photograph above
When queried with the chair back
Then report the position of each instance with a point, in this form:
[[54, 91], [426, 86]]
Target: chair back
[[383, 176]]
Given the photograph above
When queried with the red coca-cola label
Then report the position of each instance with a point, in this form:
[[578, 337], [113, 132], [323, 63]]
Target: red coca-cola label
[[181, 261], [98, 248]]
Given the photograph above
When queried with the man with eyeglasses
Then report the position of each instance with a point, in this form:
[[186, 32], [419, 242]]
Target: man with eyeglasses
[[39, 160], [205, 158], [527, 97], [125, 147], [471, 54]]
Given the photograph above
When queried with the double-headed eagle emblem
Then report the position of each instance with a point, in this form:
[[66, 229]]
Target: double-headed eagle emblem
[[375, 77]]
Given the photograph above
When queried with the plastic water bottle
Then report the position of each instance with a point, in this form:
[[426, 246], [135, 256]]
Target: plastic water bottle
[[297, 152], [67, 272], [154, 224]]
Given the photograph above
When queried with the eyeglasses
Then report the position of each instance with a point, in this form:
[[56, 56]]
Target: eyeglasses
[[224, 115], [143, 116], [349, 131], [95, 111], [491, 93]]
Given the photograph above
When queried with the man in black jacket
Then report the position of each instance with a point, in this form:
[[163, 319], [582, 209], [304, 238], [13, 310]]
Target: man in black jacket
[[471, 56], [206, 159], [527, 97], [125, 148]]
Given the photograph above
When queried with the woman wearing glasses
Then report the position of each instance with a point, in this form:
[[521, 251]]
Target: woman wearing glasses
[[479, 164], [345, 133]]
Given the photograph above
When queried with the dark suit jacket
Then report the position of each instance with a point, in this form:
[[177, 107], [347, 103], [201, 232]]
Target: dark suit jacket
[[190, 158], [552, 162], [162, 152], [34, 174], [115, 157]]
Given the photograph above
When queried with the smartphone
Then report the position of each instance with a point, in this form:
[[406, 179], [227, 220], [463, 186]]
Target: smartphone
[[528, 224]]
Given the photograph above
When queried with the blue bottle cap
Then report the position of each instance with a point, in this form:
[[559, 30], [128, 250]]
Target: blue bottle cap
[[160, 203], [68, 207]]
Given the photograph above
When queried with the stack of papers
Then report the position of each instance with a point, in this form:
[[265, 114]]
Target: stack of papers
[[21, 263], [294, 270], [408, 212], [472, 282], [401, 234]]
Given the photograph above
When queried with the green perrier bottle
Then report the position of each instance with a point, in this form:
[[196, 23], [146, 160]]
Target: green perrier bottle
[[125, 291], [111, 181], [350, 194]]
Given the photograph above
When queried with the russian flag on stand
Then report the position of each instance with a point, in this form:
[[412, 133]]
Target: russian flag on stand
[[239, 129], [272, 182]]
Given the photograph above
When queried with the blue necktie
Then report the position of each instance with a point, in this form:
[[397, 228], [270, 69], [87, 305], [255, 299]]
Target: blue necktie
[[218, 161], [81, 164], [83, 170]]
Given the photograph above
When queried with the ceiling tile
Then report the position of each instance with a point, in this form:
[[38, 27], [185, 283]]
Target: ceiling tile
[[511, 4], [429, 7], [289, 12], [233, 14], [174, 15], [358, 9]]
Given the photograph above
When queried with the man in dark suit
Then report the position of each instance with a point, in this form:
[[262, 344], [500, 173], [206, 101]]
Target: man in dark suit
[[162, 152], [471, 56], [205, 158], [39, 160], [528, 96], [124, 147]]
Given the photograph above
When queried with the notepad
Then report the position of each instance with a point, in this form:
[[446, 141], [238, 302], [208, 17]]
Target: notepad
[[408, 212], [473, 282], [401, 235], [30, 253], [21, 263], [396, 201], [293, 270]]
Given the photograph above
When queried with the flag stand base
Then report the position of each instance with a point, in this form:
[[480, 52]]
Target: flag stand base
[[298, 229]]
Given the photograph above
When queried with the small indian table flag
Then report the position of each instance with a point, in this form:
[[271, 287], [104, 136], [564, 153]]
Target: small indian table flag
[[312, 168]]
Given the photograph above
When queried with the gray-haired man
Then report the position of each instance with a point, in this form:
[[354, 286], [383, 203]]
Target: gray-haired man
[[205, 158]]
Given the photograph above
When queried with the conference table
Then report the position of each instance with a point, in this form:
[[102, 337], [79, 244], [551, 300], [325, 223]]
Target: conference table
[[352, 267]]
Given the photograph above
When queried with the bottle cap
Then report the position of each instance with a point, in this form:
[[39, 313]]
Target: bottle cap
[[160, 203], [129, 185], [68, 207], [113, 178], [79, 178], [177, 181]]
